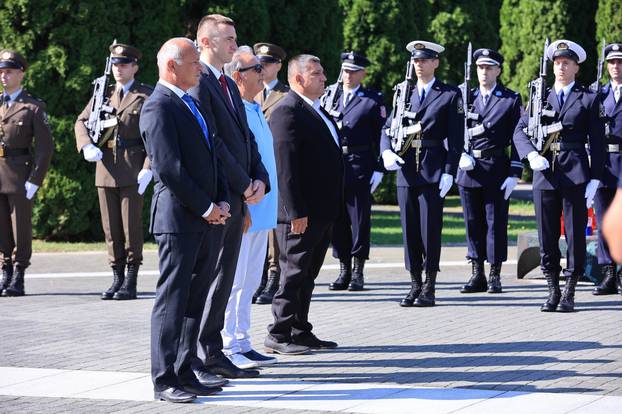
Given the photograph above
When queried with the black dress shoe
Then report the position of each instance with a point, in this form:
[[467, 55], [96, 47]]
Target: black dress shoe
[[207, 379], [284, 348], [174, 395], [312, 341], [227, 369], [195, 387]]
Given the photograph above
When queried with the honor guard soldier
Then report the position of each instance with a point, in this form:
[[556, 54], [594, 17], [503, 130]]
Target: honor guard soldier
[[359, 113], [486, 175], [431, 118], [122, 172], [271, 58], [610, 99], [564, 179], [25, 153]]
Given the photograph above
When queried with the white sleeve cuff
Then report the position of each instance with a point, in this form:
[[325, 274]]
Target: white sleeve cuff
[[209, 210]]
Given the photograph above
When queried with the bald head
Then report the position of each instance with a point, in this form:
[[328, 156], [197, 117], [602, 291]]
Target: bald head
[[178, 63]]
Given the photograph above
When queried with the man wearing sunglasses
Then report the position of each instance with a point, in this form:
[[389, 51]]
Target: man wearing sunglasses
[[247, 73]]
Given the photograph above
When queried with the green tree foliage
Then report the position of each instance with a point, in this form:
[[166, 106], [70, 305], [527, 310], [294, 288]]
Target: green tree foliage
[[526, 23]]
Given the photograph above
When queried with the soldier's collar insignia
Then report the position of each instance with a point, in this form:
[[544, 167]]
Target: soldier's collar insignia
[[498, 93]]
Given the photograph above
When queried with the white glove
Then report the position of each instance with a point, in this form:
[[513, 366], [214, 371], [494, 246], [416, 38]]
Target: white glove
[[590, 192], [391, 160], [91, 153], [508, 185], [537, 162], [144, 178], [376, 179], [31, 189], [445, 184], [467, 163]]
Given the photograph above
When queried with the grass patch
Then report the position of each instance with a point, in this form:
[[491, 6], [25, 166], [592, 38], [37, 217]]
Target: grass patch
[[43, 246]]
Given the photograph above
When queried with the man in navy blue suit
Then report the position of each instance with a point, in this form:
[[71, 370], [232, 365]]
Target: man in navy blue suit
[[487, 175], [564, 178], [610, 98], [189, 202], [427, 171], [359, 113]]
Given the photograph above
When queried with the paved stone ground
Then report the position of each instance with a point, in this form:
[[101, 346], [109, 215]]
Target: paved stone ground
[[480, 341]]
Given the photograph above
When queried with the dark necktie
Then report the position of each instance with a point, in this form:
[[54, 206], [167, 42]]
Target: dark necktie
[[5, 101], [121, 95], [561, 98], [225, 91], [195, 111], [422, 96], [485, 99]]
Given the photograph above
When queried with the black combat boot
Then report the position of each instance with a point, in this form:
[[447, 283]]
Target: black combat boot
[[551, 303], [261, 287], [357, 282], [426, 297], [118, 276], [7, 275], [272, 285], [567, 302], [609, 284], [415, 289], [477, 282], [494, 279], [16, 287], [345, 275], [127, 291]]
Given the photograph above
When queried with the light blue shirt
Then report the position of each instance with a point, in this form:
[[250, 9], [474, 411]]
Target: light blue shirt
[[13, 96], [263, 215]]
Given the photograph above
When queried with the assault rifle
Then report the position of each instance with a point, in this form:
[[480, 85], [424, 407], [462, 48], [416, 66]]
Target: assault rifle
[[102, 113], [537, 108], [594, 87], [403, 128], [330, 100], [465, 88]]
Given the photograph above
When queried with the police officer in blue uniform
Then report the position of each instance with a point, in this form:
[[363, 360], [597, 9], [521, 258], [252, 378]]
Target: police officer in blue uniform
[[427, 170], [486, 175], [610, 100], [564, 178], [359, 113]]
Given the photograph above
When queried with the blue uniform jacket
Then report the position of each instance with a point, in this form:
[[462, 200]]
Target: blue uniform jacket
[[441, 118], [499, 118], [361, 122], [612, 171], [582, 123]]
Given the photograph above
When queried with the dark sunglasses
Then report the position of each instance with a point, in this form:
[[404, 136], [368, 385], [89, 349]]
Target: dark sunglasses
[[257, 68]]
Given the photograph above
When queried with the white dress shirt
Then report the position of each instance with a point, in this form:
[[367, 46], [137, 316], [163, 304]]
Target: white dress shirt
[[316, 106]]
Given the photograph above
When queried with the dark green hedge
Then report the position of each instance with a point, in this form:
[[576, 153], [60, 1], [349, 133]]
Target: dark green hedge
[[66, 43]]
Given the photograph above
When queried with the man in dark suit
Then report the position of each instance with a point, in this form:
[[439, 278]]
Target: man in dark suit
[[427, 171], [564, 179], [246, 175], [610, 100], [189, 201], [487, 176], [305, 137], [359, 113]]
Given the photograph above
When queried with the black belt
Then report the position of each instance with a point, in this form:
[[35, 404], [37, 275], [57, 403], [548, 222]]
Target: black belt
[[613, 148], [124, 143], [567, 146], [349, 149], [426, 143], [13, 152], [488, 153]]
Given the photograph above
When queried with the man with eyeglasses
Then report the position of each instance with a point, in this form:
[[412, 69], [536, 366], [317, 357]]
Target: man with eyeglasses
[[247, 178], [247, 73]]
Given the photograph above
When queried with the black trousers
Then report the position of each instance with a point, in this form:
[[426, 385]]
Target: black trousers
[[301, 258], [486, 219], [352, 229], [213, 321], [549, 205], [421, 214], [602, 201], [187, 263]]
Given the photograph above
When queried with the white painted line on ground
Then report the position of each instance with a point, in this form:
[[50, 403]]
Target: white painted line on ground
[[303, 395], [390, 265]]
